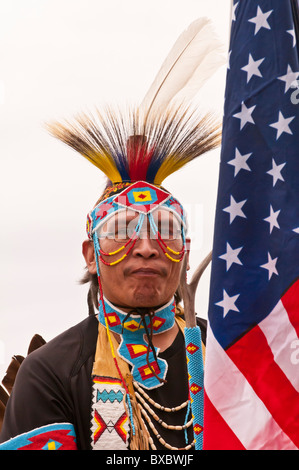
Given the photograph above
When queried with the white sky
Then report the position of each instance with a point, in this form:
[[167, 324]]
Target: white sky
[[59, 57]]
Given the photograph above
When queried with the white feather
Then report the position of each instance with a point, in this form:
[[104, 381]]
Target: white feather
[[193, 59]]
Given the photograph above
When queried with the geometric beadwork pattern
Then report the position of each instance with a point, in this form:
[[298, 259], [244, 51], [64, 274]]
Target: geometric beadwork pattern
[[109, 419], [133, 347], [195, 373], [142, 197], [59, 436], [146, 371], [194, 388], [191, 348]]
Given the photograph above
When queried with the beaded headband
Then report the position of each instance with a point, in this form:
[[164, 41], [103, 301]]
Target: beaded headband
[[144, 199]]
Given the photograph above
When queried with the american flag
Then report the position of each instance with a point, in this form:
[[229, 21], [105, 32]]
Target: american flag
[[252, 362]]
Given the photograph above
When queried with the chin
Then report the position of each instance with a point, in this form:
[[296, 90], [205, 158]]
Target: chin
[[148, 299]]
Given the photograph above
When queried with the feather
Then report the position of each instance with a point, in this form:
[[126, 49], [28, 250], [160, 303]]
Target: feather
[[163, 134], [193, 59], [8, 380], [128, 148], [11, 372]]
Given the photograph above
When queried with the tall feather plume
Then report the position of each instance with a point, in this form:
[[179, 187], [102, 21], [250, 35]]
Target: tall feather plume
[[193, 59], [127, 147], [163, 134]]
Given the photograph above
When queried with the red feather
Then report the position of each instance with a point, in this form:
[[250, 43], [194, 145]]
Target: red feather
[[139, 157]]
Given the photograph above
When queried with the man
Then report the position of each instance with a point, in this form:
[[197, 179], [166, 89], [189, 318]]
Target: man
[[119, 379]]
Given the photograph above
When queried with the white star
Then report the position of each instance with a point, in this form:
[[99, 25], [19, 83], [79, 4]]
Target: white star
[[252, 68], [272, 219], [282, 125], [234, 11], [235, 209], [290, 79], [228, 60], [260, 20], [296, 230], [239, 162], [245, 115], [231, 256], [275, 172], [292, 33], [270, 266], [228, 303]]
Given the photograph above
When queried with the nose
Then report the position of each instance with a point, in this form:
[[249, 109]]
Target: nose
[[146, 247]]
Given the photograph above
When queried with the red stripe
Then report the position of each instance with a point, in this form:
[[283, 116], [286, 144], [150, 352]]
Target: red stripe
[[290, 302], [254, 358], [217, 434]]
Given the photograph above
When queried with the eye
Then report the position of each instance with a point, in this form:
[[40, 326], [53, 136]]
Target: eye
[[170, 229]]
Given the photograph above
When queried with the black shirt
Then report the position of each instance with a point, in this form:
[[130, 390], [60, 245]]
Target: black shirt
[[54, 385]]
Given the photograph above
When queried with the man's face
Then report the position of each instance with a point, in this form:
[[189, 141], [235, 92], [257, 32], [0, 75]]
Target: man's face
[[145, 277]]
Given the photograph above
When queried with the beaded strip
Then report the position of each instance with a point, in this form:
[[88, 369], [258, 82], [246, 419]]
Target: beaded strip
[[112, 263], [133, 240], [162, 243]]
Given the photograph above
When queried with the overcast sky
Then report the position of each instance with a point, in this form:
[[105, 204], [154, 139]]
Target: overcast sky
[[59, 58]]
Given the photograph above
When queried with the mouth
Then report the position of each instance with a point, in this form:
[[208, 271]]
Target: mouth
[[146, 272]]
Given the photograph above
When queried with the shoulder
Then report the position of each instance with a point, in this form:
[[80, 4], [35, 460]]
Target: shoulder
[[42, 392], [67, 352]]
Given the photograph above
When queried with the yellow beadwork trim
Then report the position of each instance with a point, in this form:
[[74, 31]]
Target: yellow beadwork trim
[[172, 259], [118, 261], [111, 253], [109, 338], [172, 251]]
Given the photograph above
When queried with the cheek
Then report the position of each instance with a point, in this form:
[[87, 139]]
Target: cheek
[[175, 274], [110, 275]]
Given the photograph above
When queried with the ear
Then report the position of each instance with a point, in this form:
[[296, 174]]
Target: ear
[[89, 255]]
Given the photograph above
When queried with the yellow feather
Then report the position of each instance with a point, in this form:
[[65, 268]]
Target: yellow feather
[[106, 164], [169, 166]]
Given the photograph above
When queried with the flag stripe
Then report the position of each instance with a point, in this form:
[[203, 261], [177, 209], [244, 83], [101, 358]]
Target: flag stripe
[[268, 380], [254, 290], [290, 301], [230, 393], [279, 331], [221, 436]]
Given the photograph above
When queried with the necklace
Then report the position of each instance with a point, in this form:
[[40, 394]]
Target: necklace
[[159, 437], [147, 368], [146, 410]]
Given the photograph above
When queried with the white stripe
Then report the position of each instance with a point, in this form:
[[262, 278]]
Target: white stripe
[[238, 404], [282, 338]]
